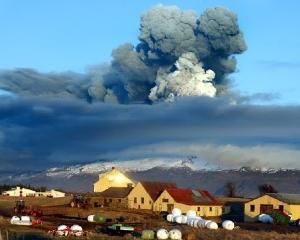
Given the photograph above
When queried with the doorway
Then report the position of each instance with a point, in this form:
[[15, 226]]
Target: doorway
[[266, 208]]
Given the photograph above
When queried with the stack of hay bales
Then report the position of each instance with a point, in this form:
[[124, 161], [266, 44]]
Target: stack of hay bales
[[191, 219]]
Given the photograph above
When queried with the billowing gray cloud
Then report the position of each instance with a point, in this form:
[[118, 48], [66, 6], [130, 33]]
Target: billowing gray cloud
[[166, 34], [38, 133]]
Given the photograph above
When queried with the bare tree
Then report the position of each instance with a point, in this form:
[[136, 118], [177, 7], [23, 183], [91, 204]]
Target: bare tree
[[230, 189], [266, 188]]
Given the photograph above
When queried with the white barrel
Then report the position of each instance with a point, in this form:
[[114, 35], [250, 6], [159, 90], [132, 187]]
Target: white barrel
[[170, 217], [175, 234], [162, 234], [90, 218], [212, 225], [176, 212], [228, 225], [191, 214], [184, 219]]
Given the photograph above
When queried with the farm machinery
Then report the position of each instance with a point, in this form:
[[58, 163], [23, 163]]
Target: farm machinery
[[21, 209], [87, 200]]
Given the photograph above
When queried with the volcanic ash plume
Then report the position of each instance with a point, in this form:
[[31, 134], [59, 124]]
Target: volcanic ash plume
[[144, 73], [189, 79]]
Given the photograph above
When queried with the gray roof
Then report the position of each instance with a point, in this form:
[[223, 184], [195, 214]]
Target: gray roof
[[286, 197]]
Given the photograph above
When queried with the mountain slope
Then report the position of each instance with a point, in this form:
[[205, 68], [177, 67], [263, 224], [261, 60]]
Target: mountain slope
[[81, 177]]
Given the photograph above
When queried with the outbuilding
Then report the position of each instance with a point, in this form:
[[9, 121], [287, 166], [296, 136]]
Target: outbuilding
[[116, 197], [19, 192], [284, 202]]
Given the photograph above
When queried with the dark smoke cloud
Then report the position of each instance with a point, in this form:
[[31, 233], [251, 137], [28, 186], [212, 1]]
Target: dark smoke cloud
[[36, 133], [166, 33]]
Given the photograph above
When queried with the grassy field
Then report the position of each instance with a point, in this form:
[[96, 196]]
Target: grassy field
[[57, 212]]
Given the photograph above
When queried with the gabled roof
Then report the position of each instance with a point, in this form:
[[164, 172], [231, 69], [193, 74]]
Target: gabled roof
[[193, 197], [154, 189], [286, 197], [116, 192]]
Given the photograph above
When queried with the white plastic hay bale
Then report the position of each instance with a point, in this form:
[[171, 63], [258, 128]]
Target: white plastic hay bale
[[195, 222], [265, 218], [190, 221], [201, 223], [175, 234], [184, 219], [25, 218], [191, 214], [76, 227], [207, 222], [228, 225], [170, 218], [162, 234], [14, 219], [212, 225], [178, 219], [76, 230], [176, 212], [62, 230], [90, 218]]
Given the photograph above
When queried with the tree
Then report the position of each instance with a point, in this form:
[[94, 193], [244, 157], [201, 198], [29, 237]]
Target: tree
[[266, 188], [230, 189]]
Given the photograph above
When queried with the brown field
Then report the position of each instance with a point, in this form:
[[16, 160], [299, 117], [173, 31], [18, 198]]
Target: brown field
[[58, 212]]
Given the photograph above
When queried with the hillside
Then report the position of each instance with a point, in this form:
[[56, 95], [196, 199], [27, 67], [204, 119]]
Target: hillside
[[81, 178]]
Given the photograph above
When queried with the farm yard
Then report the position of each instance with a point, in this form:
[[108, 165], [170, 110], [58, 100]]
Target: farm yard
[[57, 212]]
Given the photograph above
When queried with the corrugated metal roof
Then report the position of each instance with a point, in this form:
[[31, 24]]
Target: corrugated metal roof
[[286, 197], [154, 189], [193, 197]]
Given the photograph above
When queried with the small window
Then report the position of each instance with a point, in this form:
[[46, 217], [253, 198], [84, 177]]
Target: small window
[[150, 202], [119, 200], [210, 209], [110, 200], [252, 208], [135, 200], [165, 200], [198, 209], [142, 200]]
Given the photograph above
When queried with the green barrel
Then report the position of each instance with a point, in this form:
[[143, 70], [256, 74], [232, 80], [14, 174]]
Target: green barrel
[[148, 235], [99, 218]]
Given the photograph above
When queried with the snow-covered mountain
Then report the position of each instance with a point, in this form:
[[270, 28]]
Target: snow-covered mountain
[[186, 173]]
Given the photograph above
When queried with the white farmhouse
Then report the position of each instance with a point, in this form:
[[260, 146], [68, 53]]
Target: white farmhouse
[[19, 192]]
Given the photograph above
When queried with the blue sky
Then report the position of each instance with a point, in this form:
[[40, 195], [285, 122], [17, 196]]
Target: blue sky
[[62, 35]]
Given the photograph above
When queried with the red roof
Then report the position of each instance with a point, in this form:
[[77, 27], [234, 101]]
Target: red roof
[[154, 189], [192, 197]]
